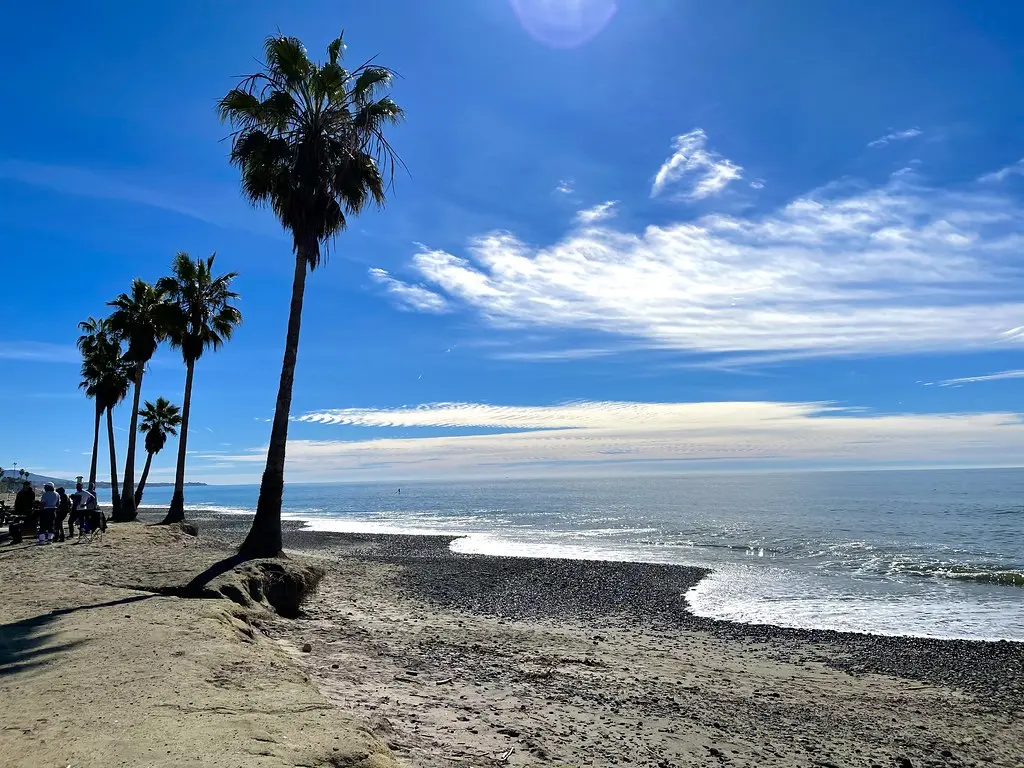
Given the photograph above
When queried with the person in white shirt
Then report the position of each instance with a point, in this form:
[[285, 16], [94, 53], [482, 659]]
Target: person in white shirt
[[47, 513], [85, 507]]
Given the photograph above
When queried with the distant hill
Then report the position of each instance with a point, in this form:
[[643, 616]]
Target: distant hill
[[38, 480]]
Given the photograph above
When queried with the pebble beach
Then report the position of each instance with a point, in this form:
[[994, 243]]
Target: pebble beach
[[533, 661]]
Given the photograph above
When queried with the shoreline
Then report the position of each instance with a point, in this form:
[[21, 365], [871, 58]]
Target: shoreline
[[642, 595], [297, 537], [489, 660]]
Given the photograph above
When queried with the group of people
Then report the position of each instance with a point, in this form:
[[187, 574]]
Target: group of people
[[44, 517]]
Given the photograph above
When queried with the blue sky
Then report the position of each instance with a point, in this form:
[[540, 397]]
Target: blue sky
[[647, 237]]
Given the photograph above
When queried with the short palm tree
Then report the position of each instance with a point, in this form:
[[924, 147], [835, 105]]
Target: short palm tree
[[159, 420], [137, 318], [309, 142], [106, 377], [200, 316]]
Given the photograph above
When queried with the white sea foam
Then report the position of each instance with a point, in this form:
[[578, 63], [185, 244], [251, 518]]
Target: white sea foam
[[194, 508], [786, 598]]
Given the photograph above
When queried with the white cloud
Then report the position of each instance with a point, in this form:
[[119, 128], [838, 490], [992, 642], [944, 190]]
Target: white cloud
[[214, 204], [600, 435], [408, 296], [39, 352], [553, 355], [598, 213], [910, 133], [708, 173], [1018, 374], [1016, 169], [566, 187], [899, 268]]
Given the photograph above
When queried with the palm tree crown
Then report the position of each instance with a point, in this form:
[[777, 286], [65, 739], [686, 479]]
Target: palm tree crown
[[200, 314], [137, 318], [309, 139], [105, 374], [159, 420]]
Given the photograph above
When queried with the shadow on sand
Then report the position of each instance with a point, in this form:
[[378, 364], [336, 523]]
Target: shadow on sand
[[30, 643]]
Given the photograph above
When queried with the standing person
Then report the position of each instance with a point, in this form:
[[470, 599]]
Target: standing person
[[86, 509], [77, 509], [92, 504], [48, 504], [63, 511], [23, 503]]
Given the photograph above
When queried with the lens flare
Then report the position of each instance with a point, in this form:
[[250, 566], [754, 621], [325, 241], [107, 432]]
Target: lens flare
[[564, 23]]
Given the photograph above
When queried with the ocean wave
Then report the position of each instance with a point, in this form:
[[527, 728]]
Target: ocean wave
[[200, 508], [1004, 577], [750, 549]]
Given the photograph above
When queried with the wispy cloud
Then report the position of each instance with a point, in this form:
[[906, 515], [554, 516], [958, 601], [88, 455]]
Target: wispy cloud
[[706, 172], [843, 270], [1015, 169], [598, 213], [408, 296], [909, 133], [1018, 374], [566, 187], [229, 213], [554, 355], [602, 434], [39, 352]]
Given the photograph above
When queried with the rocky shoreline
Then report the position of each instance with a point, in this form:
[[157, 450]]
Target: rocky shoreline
[[650, 596]]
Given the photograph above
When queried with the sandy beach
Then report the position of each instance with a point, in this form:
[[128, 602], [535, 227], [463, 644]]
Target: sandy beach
[[415, 655]]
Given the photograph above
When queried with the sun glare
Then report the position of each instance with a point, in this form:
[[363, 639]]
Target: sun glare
[[564, 23]]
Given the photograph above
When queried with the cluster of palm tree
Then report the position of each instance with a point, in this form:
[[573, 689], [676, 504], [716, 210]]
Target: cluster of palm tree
[[18, 476], [309, 141], [191, 310]]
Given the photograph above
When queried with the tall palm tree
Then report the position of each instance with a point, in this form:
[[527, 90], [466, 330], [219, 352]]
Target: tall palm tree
[[106, 377], [309, 141], [100, 349], [137, 319], [159, 420], [200, 316]]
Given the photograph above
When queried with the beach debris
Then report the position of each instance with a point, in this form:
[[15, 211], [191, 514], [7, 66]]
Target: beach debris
[[307, 648]]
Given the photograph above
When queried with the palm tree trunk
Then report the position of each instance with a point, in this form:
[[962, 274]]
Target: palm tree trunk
[[115, 496], [177, 511], [95, 446], [128, 511], [142, 481], [264, 539]]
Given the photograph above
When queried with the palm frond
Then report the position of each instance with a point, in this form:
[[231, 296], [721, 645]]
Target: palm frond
[[367, 82], [336, 49], [286, 59]]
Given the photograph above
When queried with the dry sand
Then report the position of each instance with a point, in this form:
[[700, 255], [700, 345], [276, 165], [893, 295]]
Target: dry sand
[[461, 661], [96, 671]]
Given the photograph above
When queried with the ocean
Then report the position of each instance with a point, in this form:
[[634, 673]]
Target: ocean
[[924, 553]]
